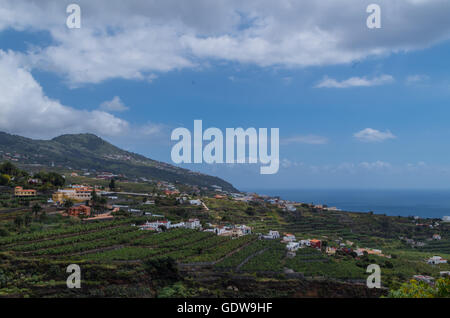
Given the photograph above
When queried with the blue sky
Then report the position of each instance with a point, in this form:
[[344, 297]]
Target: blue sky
[[356, 108]]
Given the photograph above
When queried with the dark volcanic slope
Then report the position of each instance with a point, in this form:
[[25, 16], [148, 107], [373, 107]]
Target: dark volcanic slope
[[87, 151]]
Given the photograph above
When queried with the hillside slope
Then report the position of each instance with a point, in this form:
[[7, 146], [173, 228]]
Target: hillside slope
[[87, 151]]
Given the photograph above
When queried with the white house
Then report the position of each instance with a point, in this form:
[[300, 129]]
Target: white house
[[195, 202], [177, 225], [193, 224], [246, 230], [290, 208], [149, 202], [293, 246], [305, 243], [446, 218], [273, 235], [424, 278], [220, 230], [436, 260], [289, 238], [155, 225], [436, 237], [359, 252]]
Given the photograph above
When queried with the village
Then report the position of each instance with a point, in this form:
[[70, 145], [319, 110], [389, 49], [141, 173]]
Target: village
[[168, 209], [77, 201]]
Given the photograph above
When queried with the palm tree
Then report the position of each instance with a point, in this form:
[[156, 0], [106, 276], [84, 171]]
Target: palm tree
[[36, 209]]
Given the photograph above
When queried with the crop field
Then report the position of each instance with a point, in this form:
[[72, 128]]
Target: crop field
[[120, 241]]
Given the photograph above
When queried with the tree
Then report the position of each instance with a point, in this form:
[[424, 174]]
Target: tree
[[18, 221], [112, 184], [324, 245], [36, 208], [68, 204], [164, 268], [51, 178], [27, 220], [8, 168], [98, 202], [94, 196], [419, 289], [4, 179]]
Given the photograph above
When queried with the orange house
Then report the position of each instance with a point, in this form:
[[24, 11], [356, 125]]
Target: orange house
[[80, 210], [21, 192]]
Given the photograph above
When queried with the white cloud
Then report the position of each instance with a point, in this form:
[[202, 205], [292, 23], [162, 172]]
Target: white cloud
[[26, 110], [152, 129], [136, 39], [417, 78], [92, 56], [286, 163], [373, 135], [355, 82], [114, 105], [375, 165], [306, 139]]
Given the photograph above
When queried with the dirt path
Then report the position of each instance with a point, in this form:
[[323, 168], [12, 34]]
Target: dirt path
[[250, 257]]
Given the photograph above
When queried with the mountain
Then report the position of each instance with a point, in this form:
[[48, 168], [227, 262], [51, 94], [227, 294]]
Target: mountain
[[87, 151]]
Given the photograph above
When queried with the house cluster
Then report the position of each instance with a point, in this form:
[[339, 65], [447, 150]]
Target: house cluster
[[159, 225], [435, 260], [429, 225], [424, 278], [436, 237], [230, 230], [253, 197], [412, 242], [346, 248], [370, 251], [293, 245], [167, 187], [217, 188], [323, 207], [285, 205], [13, 156], [107, 176], [77, 193], [187, 200]]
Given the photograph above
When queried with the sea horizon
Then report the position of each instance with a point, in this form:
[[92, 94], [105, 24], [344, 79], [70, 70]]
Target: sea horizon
[[425, 203]]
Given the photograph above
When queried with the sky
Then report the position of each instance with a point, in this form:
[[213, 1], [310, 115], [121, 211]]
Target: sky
[[355, 107]]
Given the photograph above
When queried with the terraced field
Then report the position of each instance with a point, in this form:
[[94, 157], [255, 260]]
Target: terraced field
[[119, 241], [115, 254]]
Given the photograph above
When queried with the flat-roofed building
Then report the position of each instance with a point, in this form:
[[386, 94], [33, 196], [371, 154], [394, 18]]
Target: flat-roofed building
[[21, 192]]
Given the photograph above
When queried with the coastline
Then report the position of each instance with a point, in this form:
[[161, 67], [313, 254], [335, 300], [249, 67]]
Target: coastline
[[398, 202]]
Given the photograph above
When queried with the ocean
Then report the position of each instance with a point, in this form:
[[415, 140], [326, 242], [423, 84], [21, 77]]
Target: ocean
[[423, 203]]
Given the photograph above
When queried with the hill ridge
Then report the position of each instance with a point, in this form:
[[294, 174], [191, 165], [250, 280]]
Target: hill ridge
[[89, 151]]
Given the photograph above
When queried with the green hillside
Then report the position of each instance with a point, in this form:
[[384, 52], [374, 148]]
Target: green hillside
[[87, 151]]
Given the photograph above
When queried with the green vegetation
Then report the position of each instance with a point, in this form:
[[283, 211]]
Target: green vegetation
[[419, 289], [87, 151], [37, 242]]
